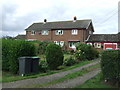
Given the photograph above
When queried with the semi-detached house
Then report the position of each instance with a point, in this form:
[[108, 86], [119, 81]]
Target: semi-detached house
[[64, 33]]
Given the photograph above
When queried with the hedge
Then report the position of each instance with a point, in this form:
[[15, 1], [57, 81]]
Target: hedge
[[54, 56], [110, 64], [12, 50]]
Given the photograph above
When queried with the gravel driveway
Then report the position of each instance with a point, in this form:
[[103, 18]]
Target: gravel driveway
[[44, 79]]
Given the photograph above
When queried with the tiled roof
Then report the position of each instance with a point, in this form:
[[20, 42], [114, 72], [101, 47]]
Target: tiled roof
[[104, 38], [20, 37], [60, 25]]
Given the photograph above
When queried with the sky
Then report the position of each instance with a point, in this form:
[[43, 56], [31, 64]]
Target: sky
[[17, 15]]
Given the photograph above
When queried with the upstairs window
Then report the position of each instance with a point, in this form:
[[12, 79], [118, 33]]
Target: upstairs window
[[33, 32], [74, 32], [59, 32], [44, 32]]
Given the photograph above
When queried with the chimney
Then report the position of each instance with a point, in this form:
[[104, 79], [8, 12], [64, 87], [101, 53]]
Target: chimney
[[75, 18], [45, 20]]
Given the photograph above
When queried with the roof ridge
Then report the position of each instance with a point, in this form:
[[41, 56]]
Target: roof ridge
[[65, 21]]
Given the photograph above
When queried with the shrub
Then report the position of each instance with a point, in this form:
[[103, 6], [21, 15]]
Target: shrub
[[69, 61], [12, 50], [43, 66], [110, 65], [85, 51], [54, 56], [42, 46]]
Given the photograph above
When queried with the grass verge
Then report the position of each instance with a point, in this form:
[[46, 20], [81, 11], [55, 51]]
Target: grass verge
[[66, 77], [95, 82], [9, 77]]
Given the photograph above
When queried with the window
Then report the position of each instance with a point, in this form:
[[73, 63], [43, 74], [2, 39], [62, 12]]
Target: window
[[33, 33], [61, 43], [74, 32], [89, 44], [72, 44], [97, 45], [59, 32], [44, 32], [90, 32]]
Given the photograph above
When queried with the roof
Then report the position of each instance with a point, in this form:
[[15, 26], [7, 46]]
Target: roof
[[20, 37], [104, 38], [60, 25]]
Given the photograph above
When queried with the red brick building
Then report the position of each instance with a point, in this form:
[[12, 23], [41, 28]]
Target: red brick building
[[64, 33], [104, 41]]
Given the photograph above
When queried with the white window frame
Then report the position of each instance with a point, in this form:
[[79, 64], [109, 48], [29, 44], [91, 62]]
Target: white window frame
[[44, 32], [90, 32], [33, 32], [97, 45], [74, 31], [73, 46], [59, 32], [89, 44], [61, 43]]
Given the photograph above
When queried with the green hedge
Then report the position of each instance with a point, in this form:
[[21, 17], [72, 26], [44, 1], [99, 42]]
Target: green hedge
[[85, 51], [54, 56], [110, 64], [12, 50]]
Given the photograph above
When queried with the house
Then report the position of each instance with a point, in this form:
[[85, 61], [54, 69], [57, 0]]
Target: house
[[20, 36], [104, 41], [64, 33]]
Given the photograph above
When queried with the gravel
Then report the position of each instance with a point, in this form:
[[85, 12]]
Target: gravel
[[44, 79]]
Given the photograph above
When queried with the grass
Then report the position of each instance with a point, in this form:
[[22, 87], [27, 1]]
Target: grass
[[9, 77], [95, 82], [68, 76]]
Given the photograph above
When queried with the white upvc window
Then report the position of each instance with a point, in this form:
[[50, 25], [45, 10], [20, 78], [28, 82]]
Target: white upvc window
[[33, 32], [74, 32], [90, 32], [72, 44], [44, 32], [59, 32], [61, 43], [97, 45], [89, 44]]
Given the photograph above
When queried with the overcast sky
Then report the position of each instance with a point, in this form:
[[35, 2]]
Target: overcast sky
[[16, 15]]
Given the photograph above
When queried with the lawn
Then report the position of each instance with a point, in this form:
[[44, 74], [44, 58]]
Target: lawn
[[9, 77], [95, 82]]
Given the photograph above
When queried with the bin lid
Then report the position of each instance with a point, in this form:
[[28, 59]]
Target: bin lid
[[35, 57], [25, 57]]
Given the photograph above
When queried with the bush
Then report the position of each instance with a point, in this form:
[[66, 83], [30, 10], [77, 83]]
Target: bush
[[12, 50], [54, 56], [69, 61], [43, 66], [42, 46], [110, 65], [85, 51]]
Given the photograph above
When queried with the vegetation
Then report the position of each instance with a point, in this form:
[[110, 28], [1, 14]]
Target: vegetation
[[9, 77], [69, 61], [85, 51], [95, 82], [54, 56], [12, 50], [110, 65], [68, 76]]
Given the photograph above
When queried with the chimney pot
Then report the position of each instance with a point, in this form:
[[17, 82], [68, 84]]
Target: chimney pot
[[75, 18], [45, 20]]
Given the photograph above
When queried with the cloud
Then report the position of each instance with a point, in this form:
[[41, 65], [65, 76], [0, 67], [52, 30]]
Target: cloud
[[19, 14]]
